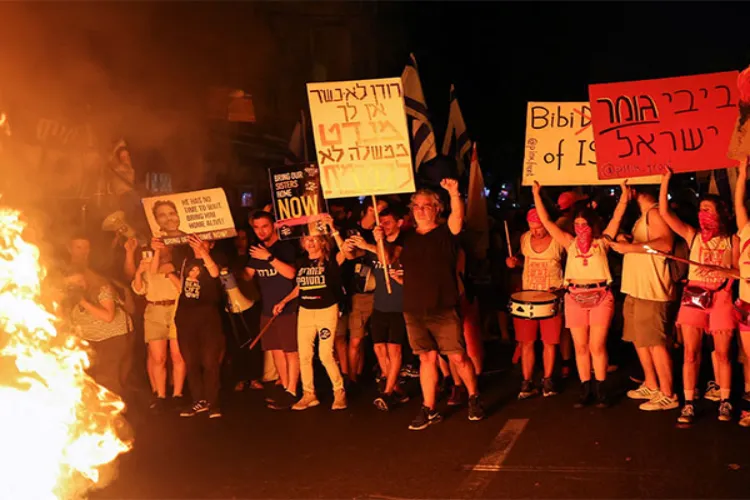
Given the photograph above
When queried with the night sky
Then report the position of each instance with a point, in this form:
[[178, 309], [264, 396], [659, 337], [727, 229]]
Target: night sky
[[502, 55]]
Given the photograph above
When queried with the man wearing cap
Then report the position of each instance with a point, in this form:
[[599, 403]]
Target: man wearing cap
[[541, 258]]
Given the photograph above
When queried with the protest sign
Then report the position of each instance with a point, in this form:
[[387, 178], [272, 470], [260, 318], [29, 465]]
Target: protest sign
[[298, 202], [684, 123], [361, 137], [172, 217], [559, 148]]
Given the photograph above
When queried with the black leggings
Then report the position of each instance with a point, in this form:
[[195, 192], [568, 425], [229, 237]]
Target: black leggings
[[202, 346]]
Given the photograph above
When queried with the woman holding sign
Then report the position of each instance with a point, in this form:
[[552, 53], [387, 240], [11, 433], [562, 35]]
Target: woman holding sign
[[706, 304], [320, 292], [589, 303]]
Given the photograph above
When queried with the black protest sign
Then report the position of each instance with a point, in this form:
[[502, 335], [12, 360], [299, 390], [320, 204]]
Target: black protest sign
[[298, 201]]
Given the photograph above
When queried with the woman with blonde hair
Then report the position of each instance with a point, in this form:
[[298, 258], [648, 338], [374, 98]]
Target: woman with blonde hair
[[320, 291]]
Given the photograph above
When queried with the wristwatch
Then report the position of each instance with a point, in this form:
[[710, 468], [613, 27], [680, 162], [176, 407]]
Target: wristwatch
[[271, 258]]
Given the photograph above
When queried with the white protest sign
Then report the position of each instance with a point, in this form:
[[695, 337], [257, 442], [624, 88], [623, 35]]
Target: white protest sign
[[559, 149], [361, 137], [172, 217]]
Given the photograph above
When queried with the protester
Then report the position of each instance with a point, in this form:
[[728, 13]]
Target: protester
[[648, 308], [273, 263], [319, 289], [431, 298], [541, 258], [743, 303], [589, 303], [706, 305]]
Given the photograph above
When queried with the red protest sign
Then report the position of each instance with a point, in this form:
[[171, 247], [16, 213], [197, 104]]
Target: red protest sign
[[684, 123]]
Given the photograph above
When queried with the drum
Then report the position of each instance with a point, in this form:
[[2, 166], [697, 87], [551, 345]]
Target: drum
[[531, 304]]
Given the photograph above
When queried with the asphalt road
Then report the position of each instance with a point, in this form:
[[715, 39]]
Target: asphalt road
[[524, 449]]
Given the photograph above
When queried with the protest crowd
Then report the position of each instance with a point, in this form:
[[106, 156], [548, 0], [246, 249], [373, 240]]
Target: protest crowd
[[403, 286]]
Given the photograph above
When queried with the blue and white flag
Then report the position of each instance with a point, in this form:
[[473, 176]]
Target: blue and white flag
[[423, 136], [457, 128]]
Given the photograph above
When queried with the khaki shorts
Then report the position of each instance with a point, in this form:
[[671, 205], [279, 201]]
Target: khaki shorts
[[362, 306], [158, 323], [437, 331], [646, 322]]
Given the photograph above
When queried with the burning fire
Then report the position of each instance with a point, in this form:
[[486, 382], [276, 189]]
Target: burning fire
[[57, 426]]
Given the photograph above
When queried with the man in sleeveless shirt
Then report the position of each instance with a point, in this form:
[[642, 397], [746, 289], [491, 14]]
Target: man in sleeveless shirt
[[650, 295], [542, 271]]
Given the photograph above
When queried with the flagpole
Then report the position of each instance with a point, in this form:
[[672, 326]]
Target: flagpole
[[381, 247], [304, 133]]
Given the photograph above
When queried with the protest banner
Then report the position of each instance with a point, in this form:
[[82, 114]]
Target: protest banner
[[361, 137], [173, 217], [298, 201], [559, 148], [684, 123]]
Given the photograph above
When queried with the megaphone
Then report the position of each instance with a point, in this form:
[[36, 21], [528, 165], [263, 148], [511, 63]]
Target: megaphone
[[237, 303], [116, 222]]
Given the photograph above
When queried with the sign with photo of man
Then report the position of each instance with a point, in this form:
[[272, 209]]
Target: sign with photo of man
[[173, 217]]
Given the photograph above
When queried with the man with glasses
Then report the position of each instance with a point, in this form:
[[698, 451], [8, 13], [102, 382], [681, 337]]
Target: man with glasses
[[429, 260]]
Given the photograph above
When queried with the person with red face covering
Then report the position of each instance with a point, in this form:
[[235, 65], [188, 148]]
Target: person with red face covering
[[589, 303], [541, 258], [706, 305]]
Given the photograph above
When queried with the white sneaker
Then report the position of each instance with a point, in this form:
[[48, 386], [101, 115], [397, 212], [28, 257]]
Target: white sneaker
[[643, 392], [712, 392], [308, 401], [661, 402]]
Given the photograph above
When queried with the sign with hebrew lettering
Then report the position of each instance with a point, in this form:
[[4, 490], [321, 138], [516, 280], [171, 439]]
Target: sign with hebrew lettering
[[361, 137], [559, 148], [173, 217], [298, 201], [684, 123]]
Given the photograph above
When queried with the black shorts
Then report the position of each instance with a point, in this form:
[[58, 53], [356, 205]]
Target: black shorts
[[281, 335], [387, 327]]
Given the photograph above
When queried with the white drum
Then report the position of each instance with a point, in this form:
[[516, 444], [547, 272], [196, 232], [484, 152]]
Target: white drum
[[531, 304]]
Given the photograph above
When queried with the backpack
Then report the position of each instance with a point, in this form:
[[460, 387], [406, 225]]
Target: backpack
[[679, 270]]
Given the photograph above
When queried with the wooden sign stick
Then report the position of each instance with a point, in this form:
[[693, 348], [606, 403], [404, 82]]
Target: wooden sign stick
[[381, 247]]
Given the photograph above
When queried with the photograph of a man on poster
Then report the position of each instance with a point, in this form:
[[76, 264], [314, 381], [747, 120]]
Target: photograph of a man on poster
[[165, 213]]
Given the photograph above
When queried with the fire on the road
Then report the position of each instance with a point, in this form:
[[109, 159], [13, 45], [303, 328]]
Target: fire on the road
[[57, 426]]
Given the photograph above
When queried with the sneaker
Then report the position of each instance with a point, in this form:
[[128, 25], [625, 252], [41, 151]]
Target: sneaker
[[476, 412], [214, 412], [339, 400], [382, 402], [399, 395], [158, 405], [687, 415], [548, 387], [457, 396], [199, 407], [660, 402], [283, 401], [745, 419], [409, 371], [643, 392], [308, 401], [600, 392], [712, 392], [275, 392], [725, 411], [566, 369], [425, 418], [527, 390]]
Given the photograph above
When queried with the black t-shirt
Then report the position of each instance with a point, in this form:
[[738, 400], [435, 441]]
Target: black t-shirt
[[273, 286], [429, 263], [319, 283], [199, 288], [356, 276]]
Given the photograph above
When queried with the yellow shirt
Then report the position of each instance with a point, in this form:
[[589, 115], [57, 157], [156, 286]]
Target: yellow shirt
[[715, 252], [591, 266], [646, 276]]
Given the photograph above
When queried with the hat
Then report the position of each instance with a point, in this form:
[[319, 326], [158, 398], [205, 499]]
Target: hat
[[568, 199]]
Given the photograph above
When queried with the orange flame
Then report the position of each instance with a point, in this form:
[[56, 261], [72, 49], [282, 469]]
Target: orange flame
[[58, 428]]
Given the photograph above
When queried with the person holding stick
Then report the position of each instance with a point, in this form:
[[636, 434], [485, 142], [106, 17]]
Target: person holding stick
[[429, 260], [320, 292], [706, 305], [650, 293], [589, 303]]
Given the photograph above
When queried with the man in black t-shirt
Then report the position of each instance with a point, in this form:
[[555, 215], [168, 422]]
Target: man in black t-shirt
[[429, 260], [273, 264]]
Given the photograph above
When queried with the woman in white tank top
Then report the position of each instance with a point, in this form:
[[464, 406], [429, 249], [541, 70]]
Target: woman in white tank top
[[589, 304], [743, 224], [710, 244]]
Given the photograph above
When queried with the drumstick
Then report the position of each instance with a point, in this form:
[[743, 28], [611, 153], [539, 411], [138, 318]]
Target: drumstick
[[507, 238], [264, 330], [687, 261]]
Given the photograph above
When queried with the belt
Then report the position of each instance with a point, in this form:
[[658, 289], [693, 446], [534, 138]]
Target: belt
[[162, 302], [601, 284]]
